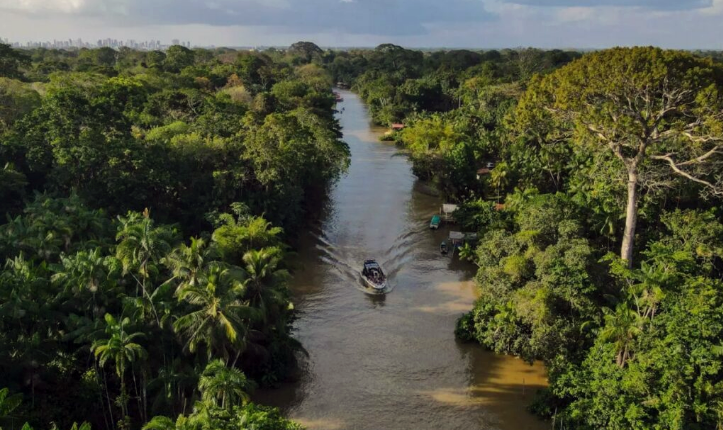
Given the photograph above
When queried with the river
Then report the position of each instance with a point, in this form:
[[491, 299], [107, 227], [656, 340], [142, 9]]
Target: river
[[388, 362]]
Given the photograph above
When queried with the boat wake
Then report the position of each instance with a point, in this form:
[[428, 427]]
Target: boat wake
[[345, 265], [402, 252], [394, 259]]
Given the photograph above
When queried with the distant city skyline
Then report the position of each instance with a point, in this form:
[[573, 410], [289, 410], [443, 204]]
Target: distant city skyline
[[105, 42], [687, 24]]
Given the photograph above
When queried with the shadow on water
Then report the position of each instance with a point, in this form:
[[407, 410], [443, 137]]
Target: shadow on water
[[499, 384], [390, 361]]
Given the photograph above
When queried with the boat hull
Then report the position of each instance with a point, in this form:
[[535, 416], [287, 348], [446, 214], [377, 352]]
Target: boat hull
[[373, 285]]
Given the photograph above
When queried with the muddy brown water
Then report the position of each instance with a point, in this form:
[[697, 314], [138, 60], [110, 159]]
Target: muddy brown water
[[391, 361]]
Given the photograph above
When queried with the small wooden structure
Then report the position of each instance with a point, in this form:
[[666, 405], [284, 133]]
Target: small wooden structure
[[483, 172], [448, 211], [397, 126], [456, 238]]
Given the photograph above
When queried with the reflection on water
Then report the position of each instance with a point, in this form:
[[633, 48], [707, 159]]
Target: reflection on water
[[390, 361]]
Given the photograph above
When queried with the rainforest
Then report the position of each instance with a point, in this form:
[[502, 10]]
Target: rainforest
[[166, 212]]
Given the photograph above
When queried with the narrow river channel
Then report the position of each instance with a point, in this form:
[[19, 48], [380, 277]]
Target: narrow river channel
[[391, 362]]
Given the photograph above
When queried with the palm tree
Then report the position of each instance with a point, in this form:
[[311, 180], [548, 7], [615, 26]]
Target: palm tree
[[82, 271], [264, 279], [142, 244], [467, 252], [223, 386], [234, 238], [653, 278], [15, 234], [172, 384], [164, 423], [141, 248], [186, 262], [8, 403], [621, 327], [53, 233], [120, 348], [218, 320], [157, 306], [21, 283], [260, 233], [160, 422]]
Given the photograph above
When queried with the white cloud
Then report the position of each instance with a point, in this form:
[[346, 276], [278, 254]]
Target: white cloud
[[450, 23], [34, 6], [572, 14], [647, 4], [390, 17], [716, 8]]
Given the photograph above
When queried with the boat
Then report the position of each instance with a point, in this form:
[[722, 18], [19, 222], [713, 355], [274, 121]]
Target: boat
[[373, 275], [436, 221], [443, 247]]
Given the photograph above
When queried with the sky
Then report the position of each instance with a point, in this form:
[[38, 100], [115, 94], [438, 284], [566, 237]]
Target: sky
[[683, 24]]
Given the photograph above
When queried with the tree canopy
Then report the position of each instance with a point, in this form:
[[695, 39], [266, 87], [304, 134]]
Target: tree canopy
[[149, 199], [655, 110], [594, 184]]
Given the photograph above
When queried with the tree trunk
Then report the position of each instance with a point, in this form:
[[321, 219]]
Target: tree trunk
[[124, 398], [107, 396], [631, 218]]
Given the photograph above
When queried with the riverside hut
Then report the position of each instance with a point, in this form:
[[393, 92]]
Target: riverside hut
[[456, 238], [448, 211]]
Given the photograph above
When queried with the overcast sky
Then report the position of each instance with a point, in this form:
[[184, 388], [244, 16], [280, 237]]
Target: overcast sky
[[412, 23]]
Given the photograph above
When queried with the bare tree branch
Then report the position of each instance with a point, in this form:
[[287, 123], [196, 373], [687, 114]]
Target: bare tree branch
[[716, 150], [715, 189]]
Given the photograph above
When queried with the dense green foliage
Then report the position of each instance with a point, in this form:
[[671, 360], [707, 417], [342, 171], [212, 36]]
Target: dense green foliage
[[148, 199], [190, 135], [452, 103], [631, 340], [148, 194]]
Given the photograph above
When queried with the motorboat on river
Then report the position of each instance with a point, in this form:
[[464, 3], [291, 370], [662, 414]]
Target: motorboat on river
[[373, 275], [435, 222]]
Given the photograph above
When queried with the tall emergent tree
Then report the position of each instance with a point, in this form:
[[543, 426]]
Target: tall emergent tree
[[659, 112]]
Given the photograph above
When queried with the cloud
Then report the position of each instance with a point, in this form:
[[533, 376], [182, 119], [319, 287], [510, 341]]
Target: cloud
[[648, 4], [573, 14], [385, 17], [414, 23]]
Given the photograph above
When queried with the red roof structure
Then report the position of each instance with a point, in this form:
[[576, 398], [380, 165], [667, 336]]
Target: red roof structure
[[397, 126]]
